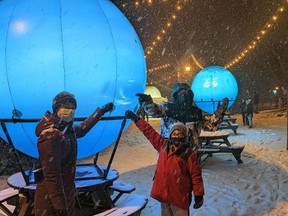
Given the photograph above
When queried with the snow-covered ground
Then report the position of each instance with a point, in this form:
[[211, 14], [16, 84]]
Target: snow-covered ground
[[258, 187]]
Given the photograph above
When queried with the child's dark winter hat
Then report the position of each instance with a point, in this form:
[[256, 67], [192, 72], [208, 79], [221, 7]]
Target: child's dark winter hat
[[178, 126], [64, 99]]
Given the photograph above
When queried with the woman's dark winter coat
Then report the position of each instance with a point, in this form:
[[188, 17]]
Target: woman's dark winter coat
[[57, 147], [178, 173]]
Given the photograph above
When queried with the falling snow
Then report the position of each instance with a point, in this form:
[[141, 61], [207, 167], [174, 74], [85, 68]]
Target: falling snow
[[215, 33]]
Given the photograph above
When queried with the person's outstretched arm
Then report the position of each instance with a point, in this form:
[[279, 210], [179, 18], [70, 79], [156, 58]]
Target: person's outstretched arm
[[82, 129], [211, 123], [151, 108], [148, 131]]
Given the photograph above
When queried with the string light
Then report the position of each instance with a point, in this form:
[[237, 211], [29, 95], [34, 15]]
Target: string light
[[168, 65], [164, 30], [159, 37], [158, 68], [251, 46], [258, 38]]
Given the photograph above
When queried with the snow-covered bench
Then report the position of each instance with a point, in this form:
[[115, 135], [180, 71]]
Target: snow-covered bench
[[5, 196], [132, 205], [121, 188]]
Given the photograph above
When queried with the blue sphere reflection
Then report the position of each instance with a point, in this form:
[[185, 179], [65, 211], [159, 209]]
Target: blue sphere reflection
[[211, 85], [88, 48]]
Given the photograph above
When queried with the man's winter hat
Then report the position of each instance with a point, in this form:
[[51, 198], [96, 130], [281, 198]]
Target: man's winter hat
[[64, 99], [178, 126], [178, 87]]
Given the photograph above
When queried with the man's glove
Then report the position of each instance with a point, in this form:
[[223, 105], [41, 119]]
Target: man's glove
[[144, 98], [62, 212], [220, 112], [199, 200], [225, 103], [107, 107], [131, 115]]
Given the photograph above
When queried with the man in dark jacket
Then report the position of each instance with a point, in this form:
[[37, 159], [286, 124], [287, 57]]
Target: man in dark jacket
[[57, 147], [178, 171]]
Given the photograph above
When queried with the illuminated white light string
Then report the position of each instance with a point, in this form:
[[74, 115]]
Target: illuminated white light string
[[168, 65], [149, 50], [264, 31], [163, 31], [158, 68]]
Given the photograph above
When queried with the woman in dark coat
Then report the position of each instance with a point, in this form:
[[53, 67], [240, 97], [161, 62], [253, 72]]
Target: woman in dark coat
[[57, 147], [178, 171]]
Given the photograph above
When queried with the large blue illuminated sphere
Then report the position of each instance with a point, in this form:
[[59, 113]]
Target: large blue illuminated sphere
[[88, 48], [211, 85]]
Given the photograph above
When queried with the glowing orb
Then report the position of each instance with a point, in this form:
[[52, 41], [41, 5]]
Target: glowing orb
[[88, 48], [155, 94], [153, 91], [211, 85]]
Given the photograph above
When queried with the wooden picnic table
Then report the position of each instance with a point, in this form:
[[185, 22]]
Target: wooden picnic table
[[211, 142], [227, 125], [88, 182], [229, 122], [21, 195]]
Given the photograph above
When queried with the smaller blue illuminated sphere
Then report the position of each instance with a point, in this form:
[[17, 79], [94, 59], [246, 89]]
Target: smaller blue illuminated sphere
[[211, 85]]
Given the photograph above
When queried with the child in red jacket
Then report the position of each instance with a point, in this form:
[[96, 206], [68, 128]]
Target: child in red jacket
[[178, 171]]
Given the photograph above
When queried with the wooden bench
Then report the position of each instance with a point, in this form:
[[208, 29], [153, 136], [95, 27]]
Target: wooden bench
[[232, 126], [229, 119], [102, 199], [208, 151], [121, 188], [210, 137], [132, 205], [211, 142], [7, 195]]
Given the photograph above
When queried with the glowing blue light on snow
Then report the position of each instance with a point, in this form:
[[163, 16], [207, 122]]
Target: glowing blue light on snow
[[211, 85], [88, 48]]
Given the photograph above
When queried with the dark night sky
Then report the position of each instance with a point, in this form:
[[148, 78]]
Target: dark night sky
[[215, 32]]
